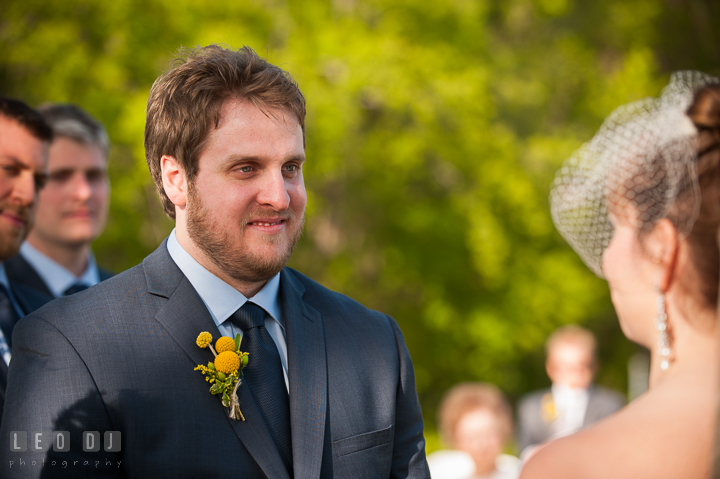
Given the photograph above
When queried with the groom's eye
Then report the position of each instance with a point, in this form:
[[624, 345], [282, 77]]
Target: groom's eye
[[245, 169]]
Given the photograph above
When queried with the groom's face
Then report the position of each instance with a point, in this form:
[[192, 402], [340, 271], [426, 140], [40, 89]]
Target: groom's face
[[246, 205]]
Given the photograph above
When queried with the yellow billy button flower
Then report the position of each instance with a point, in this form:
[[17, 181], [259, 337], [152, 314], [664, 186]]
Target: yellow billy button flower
[[204, 339], [227, 362], [223, 344], [224, 372]]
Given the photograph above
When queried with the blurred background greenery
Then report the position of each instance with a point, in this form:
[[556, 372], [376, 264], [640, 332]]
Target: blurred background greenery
[[434, 130]]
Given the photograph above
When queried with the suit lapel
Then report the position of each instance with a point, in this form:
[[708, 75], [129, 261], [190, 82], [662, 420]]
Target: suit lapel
[[307, 373], [184, 316], [28, 299], [20, 271], [592, 407]]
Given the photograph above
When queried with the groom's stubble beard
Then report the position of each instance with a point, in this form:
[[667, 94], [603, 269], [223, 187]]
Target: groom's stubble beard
[[238, 262]]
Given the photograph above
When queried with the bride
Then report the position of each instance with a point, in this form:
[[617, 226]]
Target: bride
[[640, 203]]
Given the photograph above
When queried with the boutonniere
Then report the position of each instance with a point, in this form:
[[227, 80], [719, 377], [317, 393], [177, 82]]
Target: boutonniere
[[225, 372], [547, 408]]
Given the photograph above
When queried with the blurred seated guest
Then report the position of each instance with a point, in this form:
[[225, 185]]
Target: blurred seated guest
[[640, 204], [56, 259], [573, 401], [475, 420]]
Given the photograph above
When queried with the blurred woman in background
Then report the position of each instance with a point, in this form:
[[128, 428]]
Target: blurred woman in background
[[476, 421], [640, 204]]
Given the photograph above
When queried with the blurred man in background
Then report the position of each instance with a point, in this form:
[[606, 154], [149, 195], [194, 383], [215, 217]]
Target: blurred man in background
[[56, 260], [24, 140], [573, 401]]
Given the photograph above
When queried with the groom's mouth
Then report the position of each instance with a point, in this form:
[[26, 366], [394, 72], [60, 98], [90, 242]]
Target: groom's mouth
[[265, 223], [268, 225]]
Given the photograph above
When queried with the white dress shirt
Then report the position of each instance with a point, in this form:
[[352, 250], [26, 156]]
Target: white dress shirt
[[56, 276], [570, 407], [222, 300], [455, 464]]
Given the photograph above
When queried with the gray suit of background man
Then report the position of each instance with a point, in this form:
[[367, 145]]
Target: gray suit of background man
[[225, 145], [72, 209], [573, 401]]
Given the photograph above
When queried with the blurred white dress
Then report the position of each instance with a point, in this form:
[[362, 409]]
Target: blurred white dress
[[452, 464]]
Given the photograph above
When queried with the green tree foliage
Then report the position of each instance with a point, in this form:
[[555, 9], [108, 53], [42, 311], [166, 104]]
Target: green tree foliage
[[434, 130]]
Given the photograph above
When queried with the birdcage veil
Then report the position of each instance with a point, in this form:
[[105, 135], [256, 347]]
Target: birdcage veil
[[639, 168]]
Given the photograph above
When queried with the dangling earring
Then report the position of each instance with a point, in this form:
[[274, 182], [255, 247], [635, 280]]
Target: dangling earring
[[663, 341]]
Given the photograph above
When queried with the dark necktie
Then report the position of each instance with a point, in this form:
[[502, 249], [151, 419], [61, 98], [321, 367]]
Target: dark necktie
[[8, 315], [74, 288], [264, 376]]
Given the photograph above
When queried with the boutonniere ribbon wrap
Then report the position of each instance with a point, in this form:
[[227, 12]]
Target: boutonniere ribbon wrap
[[225, 373]]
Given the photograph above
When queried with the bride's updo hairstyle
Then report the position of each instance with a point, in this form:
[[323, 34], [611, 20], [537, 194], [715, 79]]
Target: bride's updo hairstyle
[[652, 159], [704, 249]]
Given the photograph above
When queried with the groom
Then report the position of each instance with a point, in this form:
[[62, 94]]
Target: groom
[[328, 390]]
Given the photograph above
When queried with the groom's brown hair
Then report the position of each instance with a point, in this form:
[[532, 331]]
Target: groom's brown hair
[[185, 104]]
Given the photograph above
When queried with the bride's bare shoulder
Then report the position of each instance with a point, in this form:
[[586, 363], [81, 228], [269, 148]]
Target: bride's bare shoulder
[[651, 437], [587, 454]]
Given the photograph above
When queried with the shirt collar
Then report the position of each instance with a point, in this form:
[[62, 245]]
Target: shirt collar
[[56, 276], [220, 298], [567, 393]]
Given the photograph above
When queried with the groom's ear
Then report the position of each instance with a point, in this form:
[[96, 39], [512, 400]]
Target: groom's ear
[[174, 181]]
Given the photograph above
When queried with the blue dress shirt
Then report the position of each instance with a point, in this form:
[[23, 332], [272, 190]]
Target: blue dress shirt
[[222, 300], [56, 276]]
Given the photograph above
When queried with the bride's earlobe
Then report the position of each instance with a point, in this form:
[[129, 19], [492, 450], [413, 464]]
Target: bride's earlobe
[[661, 245]]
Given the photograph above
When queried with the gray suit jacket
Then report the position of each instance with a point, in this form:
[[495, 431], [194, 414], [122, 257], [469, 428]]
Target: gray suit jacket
[[120, 357], [534, 429], [31, 293]]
